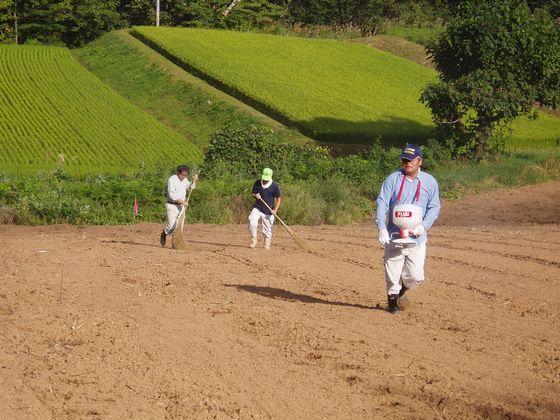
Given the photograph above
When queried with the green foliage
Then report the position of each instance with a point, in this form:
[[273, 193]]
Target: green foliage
[[330, 90], [75, 22], [459, 178], [244, 148], [57, 197], [7, 30], [496, 59], [59, 22], [423, 35], [55, 113]]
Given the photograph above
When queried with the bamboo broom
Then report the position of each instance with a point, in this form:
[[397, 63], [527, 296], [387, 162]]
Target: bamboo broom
[[299, 241], [178, 241]]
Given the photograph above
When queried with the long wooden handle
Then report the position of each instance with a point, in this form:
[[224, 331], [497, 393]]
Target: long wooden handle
[[268, 207], [189, 196]]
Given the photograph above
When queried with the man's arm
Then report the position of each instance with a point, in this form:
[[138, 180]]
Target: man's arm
[[433, 206], [255, 191], [383, 201], [277, 203]]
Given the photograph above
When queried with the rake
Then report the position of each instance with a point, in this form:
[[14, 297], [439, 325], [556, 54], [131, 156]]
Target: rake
[[178, 241], [299, 241]]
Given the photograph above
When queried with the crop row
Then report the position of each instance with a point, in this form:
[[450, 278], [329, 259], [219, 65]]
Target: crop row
[[331, 90], [53, 111]]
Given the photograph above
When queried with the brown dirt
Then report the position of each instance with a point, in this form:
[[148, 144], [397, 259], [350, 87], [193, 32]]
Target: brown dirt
[[101, 322]]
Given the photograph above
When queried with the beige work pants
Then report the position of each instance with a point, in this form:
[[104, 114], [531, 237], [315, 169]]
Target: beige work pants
[[404, 266]]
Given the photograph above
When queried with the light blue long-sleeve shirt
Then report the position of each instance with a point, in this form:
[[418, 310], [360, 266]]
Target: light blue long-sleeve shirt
[[428, 200]]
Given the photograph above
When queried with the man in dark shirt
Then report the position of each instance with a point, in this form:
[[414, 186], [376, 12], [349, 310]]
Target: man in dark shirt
[[267, 202]]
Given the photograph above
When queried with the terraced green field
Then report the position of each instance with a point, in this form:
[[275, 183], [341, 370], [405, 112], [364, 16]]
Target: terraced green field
[[53, 111], [331, 90]]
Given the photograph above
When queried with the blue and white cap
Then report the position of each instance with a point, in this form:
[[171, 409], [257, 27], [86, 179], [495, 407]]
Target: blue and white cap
[[411, 151]]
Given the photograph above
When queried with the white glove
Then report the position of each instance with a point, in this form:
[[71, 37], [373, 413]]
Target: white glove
[[419, 230], [257, 196], [383, 237]]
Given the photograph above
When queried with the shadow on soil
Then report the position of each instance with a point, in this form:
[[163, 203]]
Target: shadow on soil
[[113, 241], [394, 131], [282, 294]]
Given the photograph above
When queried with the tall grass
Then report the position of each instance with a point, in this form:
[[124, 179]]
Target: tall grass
[[176, 98], [420, 35], [341, 197], [54, 112], [331, 90]]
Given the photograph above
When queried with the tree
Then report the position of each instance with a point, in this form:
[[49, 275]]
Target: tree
[[495, 60], [7, 22], [87, 19]]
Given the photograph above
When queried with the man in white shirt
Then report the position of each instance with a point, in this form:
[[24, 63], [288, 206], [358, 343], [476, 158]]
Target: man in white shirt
[[177, 186]]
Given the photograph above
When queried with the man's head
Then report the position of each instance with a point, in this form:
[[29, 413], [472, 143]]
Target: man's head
[[411, 158], [182, 171], [266, 174]]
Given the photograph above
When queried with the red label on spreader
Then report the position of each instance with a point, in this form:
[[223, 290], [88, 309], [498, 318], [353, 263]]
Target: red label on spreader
[[400, 213]]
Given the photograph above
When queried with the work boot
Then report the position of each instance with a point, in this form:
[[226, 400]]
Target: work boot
[[162, 238], [393, 301], [253, 242], [403, 290], [267, 242]]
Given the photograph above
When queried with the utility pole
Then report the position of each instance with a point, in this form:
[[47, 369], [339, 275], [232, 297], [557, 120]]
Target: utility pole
[[15, 21], [157, 12]]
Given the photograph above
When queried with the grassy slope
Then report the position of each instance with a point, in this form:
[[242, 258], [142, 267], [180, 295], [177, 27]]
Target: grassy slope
[[422, 36], [331, 90], [51, 106], [175, 97], [398, 46]]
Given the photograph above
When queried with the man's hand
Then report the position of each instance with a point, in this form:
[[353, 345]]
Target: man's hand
[[419, 230], [195, 177], [257, 196], [274, 211], [383, 237], [181, 202]]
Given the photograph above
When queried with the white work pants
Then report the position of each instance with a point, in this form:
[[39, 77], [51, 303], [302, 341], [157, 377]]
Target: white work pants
[[404, 264], [267, 222], [173, 211]]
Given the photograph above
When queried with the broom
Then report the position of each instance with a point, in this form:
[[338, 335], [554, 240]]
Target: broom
[[299, 241], [178, 241]]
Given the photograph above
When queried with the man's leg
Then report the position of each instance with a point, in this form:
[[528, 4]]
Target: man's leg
[[254, 217], [172, 211], [394, 262], [267, 223], [413, 270]]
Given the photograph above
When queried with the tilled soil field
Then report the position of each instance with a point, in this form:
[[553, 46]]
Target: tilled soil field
[[101, 322]]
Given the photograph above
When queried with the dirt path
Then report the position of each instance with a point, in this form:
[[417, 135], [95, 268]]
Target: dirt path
[[101, 322]]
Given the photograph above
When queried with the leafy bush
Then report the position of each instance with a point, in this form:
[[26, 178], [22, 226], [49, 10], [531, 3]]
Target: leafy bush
[[496, 59]]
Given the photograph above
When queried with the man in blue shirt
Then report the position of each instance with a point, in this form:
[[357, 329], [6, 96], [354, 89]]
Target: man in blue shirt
[[267, 202], [404, 264]]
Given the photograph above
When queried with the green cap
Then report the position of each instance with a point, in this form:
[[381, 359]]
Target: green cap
[[267, 174]]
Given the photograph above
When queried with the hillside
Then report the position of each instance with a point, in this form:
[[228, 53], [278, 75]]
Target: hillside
[[331, 90], [54, 112], [175, 97]]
